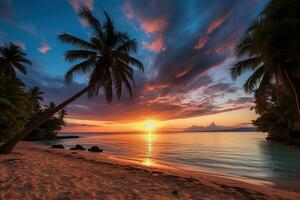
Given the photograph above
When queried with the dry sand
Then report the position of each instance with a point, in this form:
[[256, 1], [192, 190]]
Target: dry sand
[[31, 172]]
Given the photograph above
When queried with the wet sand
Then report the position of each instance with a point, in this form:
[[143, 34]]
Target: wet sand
[[33, 172]]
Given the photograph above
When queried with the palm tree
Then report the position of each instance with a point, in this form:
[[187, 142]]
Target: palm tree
[[270, 49], [105, 56], [36, 93], [12, 58]]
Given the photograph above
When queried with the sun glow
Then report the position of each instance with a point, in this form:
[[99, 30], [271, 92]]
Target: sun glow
[[148, 125]]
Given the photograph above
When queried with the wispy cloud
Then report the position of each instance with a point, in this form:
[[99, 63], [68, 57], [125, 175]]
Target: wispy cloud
[[77, 4], [44, 48]]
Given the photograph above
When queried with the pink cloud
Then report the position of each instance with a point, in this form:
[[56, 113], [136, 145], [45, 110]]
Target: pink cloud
[[127, 9], [218, 22], [211, 28], [44, 48], [153, 26], [157, 45], [201, 42], [77, 4]]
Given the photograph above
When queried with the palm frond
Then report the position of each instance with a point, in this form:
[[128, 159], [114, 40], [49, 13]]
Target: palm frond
[[248, 64], [126, 58], [93, 22], [67, 38], [254, 79], [20, 67], [255, 24], [82, 68], [245, 46], [73, 55], [128, 46]]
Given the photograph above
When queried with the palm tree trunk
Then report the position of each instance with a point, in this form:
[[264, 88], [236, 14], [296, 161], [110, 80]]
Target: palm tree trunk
[[294, 89], [8, 147]]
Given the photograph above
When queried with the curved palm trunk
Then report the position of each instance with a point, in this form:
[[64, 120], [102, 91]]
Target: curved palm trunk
[[294, 89], [8, 147]]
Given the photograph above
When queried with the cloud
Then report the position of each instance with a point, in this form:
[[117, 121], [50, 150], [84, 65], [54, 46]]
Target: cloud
[[156, 45], [44, 48], [77, 4], [218, 22], [154, 25], [214, 127], [211, 127], [189, 41], [201, 42], [7, 14]]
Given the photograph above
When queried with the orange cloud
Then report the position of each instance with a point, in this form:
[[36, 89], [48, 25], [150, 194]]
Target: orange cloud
[[201, 42], [150, 86], [183, 72], [218, 22]]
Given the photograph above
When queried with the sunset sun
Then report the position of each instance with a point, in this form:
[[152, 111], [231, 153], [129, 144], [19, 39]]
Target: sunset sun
[[150, 125]]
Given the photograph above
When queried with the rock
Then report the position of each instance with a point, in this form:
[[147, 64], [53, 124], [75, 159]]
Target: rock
[[95, 149], [175, 192], [57, 146], [78, 147]]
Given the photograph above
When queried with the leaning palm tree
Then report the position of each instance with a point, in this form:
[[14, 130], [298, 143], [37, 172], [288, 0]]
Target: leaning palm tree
[[106, 56], [270, 49], [12, 59]]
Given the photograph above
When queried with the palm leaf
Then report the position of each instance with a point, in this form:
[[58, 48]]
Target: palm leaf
[[82, 68], [248, 64], [93, 22], [76, 41], [254, 79], [72, 55]]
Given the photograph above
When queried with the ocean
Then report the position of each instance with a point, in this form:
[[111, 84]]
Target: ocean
[[242, 155]]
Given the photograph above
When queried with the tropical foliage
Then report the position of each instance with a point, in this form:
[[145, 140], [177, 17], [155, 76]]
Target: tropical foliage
[[18, 104], [270, 49], [51, 127], [15, 108], [12, 59], [105, 57]]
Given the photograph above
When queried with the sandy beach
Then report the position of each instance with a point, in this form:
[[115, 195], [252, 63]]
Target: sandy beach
[[33, 172]]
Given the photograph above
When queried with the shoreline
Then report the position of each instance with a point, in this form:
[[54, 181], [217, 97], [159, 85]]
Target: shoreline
[[35, 171]]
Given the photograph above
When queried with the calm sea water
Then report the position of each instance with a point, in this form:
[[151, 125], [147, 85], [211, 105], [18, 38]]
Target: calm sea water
[[242, 155]]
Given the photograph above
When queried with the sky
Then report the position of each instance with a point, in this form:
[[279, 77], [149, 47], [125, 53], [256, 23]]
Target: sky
[[186, 46]]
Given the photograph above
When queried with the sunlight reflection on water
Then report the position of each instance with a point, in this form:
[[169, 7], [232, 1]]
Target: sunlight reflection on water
[[246, 155]]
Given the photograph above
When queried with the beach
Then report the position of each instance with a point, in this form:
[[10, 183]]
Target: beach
[[38, 172]]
